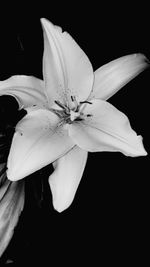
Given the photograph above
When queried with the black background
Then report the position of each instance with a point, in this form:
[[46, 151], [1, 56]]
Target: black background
[[108, 220]]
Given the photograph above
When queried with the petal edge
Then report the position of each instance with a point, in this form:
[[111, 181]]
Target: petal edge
[[27, 90]]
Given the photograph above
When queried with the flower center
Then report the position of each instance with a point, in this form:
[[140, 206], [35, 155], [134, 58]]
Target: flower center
[[68, 114], [74, 115]]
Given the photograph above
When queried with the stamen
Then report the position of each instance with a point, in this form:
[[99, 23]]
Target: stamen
[[59, 113], [76, 104]]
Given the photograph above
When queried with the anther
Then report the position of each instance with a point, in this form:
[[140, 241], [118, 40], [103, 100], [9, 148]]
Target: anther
[[79, 119], [82, 102], [59, 104]]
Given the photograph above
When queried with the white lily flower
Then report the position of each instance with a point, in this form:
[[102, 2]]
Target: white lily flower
[[75, 118]]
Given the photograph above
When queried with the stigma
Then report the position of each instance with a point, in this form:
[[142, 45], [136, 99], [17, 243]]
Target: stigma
[[74, 115]]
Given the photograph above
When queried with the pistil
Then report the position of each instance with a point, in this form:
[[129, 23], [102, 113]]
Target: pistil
[[74, 115]]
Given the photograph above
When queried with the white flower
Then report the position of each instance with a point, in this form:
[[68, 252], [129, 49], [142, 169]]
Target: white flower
[[71, 116]]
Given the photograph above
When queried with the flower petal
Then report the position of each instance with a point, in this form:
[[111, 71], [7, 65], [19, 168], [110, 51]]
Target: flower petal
[[11, 205], [107, 129], [67, 70], [66, 177], [39, 140], [114, 75], [27, 90]]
